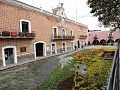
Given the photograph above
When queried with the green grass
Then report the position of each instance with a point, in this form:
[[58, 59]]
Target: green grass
[[58, 75]]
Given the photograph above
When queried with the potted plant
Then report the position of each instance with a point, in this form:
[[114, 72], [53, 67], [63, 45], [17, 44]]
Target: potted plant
[[21, 34], [14, 34], [27, 34], [5, 33], [32, 34]]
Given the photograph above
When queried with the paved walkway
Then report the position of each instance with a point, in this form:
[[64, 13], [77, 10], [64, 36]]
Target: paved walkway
[[60, 55]]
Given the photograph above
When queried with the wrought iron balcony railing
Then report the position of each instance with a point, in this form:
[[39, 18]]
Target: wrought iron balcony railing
[[11, 35], [63, 37]]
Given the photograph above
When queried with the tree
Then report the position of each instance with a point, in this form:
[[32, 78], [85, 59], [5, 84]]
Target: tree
[[107, 11]]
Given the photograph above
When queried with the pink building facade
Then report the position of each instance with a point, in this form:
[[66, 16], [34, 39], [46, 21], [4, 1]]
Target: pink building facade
[[103, 36]]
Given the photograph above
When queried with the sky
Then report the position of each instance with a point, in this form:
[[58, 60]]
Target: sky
[[76, 10]]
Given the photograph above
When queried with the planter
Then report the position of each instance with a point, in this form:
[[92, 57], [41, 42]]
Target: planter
[[32, 34], [21, 34], [5, 33], [28, 34], [14, 34]]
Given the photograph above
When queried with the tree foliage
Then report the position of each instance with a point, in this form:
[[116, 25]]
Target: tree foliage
[[107, 11]]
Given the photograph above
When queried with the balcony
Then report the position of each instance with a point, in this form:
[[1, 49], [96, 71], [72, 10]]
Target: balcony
[[18, 35], [63, 38], [82, 36]]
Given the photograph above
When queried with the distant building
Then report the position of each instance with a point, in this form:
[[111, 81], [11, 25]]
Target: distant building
[[103, 37], [27, 32]]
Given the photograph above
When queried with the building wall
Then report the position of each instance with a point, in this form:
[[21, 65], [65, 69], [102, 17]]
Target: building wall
[[103, 35], [41, 24]]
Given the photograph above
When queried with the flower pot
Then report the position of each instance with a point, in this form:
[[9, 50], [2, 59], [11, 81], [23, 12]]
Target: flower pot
[[28, 34], [5, 33], [21, 34], [14, 34], [32, 34]]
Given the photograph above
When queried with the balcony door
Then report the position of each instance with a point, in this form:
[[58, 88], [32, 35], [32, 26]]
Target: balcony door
[[63, 33], [55, 32], [25, 26]]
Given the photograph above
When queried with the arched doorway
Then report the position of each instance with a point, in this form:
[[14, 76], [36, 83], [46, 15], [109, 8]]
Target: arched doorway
[[117, 40], [95, 42], [103, 42], [110, 41], [39, 49], [9, 55], [78, 43], [88, 42]]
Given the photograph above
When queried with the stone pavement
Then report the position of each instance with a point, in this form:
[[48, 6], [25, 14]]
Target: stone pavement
[[60, 55]]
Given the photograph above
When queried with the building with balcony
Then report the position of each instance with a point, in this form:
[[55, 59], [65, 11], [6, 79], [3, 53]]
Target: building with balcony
[[27, 32]]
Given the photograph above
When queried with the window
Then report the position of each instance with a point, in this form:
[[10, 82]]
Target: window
[[25, 26], [54, 31], [71, 32], [23, 49], [63, 32]]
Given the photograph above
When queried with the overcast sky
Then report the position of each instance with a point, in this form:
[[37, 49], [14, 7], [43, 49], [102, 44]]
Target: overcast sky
[[71, 6]]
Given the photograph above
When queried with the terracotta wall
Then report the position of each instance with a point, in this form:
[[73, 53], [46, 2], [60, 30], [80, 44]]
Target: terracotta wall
[[42, 24]]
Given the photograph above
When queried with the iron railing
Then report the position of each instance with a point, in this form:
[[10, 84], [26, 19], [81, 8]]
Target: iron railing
[[113, 82]]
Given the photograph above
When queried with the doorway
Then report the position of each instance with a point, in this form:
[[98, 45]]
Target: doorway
[[9, 59], [72, 45], [63, 46], [39, 49], [78, 42], [53, 48], [9, 55]]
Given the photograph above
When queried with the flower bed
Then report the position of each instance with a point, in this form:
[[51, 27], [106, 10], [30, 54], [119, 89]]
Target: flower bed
[[96, 71]]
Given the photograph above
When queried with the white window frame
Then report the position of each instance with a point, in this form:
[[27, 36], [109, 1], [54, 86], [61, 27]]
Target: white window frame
[[14, 54], [53, 31], [29, 23], [44, 48], [65, 46], [62, 31], [55, 47]]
